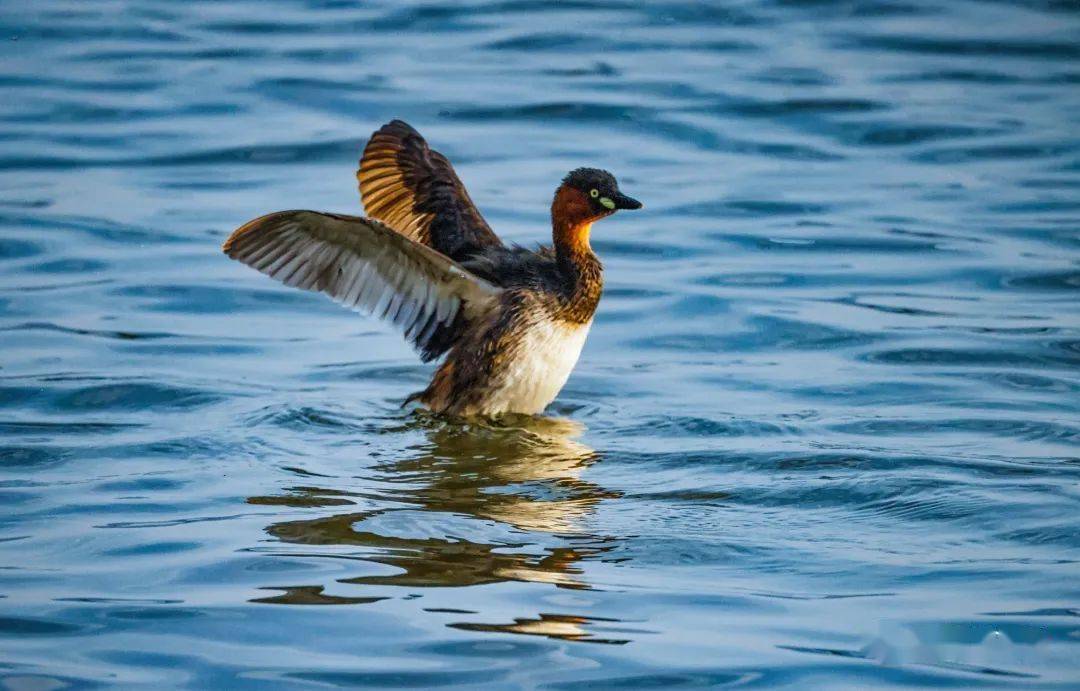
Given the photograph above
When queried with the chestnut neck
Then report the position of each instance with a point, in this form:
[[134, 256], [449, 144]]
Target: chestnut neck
[[571, 219]]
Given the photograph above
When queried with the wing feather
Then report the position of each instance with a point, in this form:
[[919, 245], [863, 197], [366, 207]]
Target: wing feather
[[415, 190], [366, 265]]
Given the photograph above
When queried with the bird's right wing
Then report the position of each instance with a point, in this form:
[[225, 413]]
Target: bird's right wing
[[414, 189], [366, 265]]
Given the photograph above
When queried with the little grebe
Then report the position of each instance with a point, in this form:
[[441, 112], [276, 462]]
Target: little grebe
[[511, 321]]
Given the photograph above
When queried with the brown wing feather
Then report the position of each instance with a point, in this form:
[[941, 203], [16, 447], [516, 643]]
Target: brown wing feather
[[363, 264], [415, 191]]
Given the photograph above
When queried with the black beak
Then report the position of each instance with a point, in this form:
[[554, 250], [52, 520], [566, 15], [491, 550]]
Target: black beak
[[624, 202]]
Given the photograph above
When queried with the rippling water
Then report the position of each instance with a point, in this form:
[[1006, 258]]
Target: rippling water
[[825, 431]]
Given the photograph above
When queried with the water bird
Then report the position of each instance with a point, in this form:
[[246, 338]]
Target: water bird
[[511, 321]]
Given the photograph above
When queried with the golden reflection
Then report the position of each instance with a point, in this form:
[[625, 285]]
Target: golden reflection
[[562, 626], [526, 478]]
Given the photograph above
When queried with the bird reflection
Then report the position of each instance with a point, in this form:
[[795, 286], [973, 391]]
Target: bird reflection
[[562, 626], [525, 478]]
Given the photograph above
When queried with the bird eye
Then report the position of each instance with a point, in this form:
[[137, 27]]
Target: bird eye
[[594, 193]]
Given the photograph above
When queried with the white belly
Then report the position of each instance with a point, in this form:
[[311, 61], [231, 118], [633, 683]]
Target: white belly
[[539, 368]]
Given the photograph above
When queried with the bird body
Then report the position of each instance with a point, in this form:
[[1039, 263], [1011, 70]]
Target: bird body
[[521, 370], [510, 321]]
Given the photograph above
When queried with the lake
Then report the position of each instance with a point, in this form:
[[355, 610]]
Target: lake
[[825, 431]]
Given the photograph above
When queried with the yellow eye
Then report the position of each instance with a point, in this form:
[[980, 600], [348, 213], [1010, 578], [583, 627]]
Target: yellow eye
[[594, 193]]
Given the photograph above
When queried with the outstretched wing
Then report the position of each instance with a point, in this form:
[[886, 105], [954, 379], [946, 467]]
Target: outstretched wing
[[415, 191], [365, 265]]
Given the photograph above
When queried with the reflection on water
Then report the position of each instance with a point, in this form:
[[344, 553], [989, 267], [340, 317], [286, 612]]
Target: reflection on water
[[526, 477], [311, 595], [565, 627]]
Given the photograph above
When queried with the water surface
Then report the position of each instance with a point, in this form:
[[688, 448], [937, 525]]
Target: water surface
[[824, 433]]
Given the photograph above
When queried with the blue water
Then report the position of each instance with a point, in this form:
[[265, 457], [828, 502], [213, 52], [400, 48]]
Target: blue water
[[825, 432]]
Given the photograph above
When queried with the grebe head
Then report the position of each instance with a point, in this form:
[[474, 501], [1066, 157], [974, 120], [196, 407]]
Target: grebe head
[[589, 194]]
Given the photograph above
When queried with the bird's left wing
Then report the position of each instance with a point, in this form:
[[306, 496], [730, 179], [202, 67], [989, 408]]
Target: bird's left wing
[[366, 265], [414, 189]]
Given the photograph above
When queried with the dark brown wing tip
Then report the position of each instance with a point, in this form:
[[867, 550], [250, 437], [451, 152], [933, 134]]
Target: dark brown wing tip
[[395, 132], [397, 126], [390, 138]]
